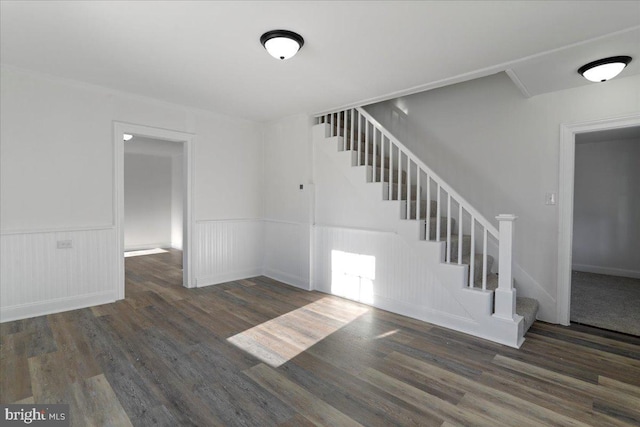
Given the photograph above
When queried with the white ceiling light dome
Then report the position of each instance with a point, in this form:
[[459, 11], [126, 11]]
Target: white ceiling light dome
[[604, 69], [282, 44]]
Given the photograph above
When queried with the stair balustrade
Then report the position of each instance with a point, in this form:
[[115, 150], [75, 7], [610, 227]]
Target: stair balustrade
[[411, 180]]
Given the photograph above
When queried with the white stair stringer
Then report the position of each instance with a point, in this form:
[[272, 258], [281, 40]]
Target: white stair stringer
[[477, 303]]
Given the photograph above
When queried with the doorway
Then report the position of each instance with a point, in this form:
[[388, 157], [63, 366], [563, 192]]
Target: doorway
[[605, 278], [157, 165], [569, 135], [153, 215]]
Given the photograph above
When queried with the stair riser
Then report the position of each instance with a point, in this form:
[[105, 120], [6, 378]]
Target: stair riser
[[390, 192], [384, 175], [362, 161], [403, 192], [466, 248], [423, 209], [443, 228], [357, 146], [477, 267], [394, 176], [357, 130]]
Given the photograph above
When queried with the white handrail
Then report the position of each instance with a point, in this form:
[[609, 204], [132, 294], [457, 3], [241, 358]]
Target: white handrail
[[491, 229]]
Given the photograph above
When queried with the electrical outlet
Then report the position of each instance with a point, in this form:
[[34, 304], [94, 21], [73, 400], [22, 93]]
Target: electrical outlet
[[301, 187], [550, 199], [65, 244]]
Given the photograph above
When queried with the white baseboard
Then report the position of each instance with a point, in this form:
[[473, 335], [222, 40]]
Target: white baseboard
[[287, 278], [24, 311], [606, 270], [440, 318], [227, 277]]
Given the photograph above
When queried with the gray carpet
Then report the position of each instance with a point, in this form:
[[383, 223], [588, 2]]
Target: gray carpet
[[607, 302]]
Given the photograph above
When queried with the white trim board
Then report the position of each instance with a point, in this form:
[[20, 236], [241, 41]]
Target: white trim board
[[565, 200], [634, 274], [42, 308], [57, 230], [120, 128], [286, 278], [228, 277]]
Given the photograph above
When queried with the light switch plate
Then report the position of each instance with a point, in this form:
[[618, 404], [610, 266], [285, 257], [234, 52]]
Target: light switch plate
[[550, 199]]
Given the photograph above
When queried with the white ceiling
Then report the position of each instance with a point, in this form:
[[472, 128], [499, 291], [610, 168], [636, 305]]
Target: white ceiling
[[557, 70], [207, 54]]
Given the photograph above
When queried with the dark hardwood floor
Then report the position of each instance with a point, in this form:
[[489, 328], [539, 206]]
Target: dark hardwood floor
[[258, 353]]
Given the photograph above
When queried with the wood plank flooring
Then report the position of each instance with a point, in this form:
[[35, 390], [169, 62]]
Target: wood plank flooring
[[259, 353]]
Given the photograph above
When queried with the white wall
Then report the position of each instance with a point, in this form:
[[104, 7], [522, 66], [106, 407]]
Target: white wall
[[177, 207], [56, 177], [147, 201], [606, 209], [500, 151], [288, 210]]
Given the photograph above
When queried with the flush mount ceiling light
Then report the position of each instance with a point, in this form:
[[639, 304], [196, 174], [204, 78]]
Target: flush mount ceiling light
[[282, 44], [127, 137], [604, 69]]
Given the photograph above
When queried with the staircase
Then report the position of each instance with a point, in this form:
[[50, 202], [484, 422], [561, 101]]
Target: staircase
[[438, 221]]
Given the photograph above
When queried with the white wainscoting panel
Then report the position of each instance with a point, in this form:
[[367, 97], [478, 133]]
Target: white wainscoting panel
[[287, 252], [379, 268], [228, 250], [37, 278]]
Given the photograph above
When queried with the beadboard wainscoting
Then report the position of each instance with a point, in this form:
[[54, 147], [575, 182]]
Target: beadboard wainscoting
[[379, 268], [39, 278], [287, 252], [228, 250]]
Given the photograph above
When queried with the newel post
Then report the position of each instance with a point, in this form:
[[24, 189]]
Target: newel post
[[505, 295]]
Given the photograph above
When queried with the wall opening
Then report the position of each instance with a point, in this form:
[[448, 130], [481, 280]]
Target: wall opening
[[571, 135], [605, 277], [153, 204], [153, 211]]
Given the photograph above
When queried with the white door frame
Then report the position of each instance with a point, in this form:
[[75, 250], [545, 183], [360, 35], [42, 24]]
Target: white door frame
[[565, 201], [119, 129]]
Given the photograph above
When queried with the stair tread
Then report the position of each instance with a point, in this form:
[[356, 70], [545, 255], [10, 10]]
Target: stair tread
[[527, 308]]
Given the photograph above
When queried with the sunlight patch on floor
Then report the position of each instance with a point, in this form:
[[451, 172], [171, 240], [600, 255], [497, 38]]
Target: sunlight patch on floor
[[352, 276], [145, 252], [387, 334], [281, 339]]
